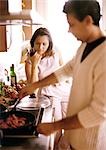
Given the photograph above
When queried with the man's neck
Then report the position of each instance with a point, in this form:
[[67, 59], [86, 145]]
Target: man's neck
[[95, 34]]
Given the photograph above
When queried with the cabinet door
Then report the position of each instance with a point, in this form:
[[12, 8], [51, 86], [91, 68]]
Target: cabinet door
[[3, 43]]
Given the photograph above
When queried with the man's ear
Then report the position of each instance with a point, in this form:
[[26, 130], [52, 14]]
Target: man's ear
[[88, 20]]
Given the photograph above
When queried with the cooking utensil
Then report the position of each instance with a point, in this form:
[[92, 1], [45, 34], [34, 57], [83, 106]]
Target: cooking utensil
[[22, 130], [38, 120], [13, 107], [39, 116], [2, 108], [16, 103], [28, 129], [34, 104]]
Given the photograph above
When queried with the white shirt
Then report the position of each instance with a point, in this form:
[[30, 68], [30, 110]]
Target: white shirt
[[87, 98]]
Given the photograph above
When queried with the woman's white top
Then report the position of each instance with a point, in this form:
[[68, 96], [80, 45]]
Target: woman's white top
[[46, 66]]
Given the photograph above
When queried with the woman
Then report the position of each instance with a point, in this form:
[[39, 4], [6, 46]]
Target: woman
[[42, 61]]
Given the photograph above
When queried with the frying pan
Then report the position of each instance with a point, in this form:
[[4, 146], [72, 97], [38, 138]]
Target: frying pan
[[2, 108], [28, 129]]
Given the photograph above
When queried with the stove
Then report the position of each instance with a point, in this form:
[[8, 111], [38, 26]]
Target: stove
[[14, 138]]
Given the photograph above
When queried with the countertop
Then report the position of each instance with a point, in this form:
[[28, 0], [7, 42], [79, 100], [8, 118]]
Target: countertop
[[32, 143]]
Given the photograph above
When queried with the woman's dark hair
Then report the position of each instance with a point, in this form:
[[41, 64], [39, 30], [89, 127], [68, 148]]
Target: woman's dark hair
[[83, 8], [41, 32]]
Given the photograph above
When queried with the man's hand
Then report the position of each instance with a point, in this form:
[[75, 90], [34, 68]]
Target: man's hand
[[26, 91], [46, 128], [67, 123]]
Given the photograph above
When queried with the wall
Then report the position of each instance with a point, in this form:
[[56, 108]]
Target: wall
[[104, 14], [58, 26]]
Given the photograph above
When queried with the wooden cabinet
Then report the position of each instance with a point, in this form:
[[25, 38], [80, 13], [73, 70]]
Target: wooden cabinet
[[27, 30], [3, 10], [3, 43]]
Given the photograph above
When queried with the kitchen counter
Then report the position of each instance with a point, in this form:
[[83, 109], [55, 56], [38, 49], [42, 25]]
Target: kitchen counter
[[32, 143]]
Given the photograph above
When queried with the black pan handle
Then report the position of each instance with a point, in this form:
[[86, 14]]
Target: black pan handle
[[1, 134], [38, 120], [14, 106], [16, 103]]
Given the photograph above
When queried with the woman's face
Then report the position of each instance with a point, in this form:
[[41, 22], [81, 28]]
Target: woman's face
[[41, 44]]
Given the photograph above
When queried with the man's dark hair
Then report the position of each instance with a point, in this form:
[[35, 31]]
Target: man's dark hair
[[83, 8]]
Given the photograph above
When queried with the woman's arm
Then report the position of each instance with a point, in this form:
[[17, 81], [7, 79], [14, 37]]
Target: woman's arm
[[35, 60], [60, 58], [34, 73], [28, 70], [31, 68]]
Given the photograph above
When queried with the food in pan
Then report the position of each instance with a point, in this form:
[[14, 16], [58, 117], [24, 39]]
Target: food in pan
[[7, 101], [10, 94], [12, 121]]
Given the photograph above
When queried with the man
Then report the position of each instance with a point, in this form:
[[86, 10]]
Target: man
[[85, 124]]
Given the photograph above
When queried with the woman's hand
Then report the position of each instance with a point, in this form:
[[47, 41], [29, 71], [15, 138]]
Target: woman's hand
[[35, 59]]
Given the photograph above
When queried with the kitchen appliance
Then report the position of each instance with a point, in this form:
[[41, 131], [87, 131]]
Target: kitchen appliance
[[28, 103], [7, 136]]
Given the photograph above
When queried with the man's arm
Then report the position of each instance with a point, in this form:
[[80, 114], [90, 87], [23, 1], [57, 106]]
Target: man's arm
[[51, 79], [66, 124], [59, 75]]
